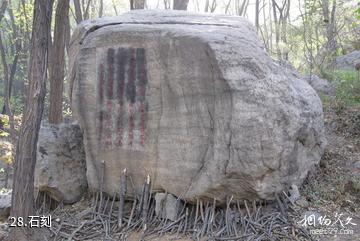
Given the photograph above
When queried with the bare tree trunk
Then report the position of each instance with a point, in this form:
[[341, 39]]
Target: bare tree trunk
[[78, 12], [206, 6], [196, 5], [285, 10], [329, 21], [266, 31], [277, 30], [271, 46], [8, 76], [3, 58], [241, 8], [57, 72], [308, 50], [101, 8], [3, 8], [180, 4], [213, 6], [257, 6], [17, 49], [86, 9], [27, 21], [114, 7], [166, 4], [93, 8], [7, 109], [263, 30], [137, 4], [330, 46], [22, 204], [245, 7], [227, 6]]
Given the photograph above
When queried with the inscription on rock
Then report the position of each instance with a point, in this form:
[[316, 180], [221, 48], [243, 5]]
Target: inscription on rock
[[122, 82]]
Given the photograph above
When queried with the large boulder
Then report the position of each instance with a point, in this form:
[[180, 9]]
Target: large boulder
[[60, 169], [5, 205], [320, 85], [347, 62], [195, 102]]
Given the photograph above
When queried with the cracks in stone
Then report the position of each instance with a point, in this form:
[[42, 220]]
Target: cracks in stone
[[230, 136], [211, 122], [229, 155], [212, 125], [198, 173], [186, 106], [160, 114], [208, 53]]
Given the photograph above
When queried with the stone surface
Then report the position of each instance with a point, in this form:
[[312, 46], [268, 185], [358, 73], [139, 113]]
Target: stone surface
[[193, 100], [166, 206], [294, 193], [5, 205], [347, 62], [60, 169], [320, 85]]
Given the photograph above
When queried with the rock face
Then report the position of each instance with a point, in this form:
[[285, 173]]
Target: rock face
[[167, 206], [5, 205], [347, 62], [194, 101], [320, 85], [60, 169]]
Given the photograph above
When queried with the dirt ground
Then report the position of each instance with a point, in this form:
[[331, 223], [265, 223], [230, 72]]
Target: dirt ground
[[334, 187]]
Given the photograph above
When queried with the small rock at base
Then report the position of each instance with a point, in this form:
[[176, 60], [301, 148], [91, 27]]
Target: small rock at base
[[294, 193], [5, 205], [167, 206]]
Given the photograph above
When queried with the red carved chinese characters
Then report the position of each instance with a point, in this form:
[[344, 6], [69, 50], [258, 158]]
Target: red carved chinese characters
[[122, 82]]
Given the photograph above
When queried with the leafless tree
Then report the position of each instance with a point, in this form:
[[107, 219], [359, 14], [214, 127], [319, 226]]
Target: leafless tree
[[137, 4], [9, 69], [3, 7], [57, 63], [307, 37], [227, 7], [114, 7], [167, 4], [257, 12], [22, 204], [211, 6], [180, 4], [281, 14], [7, 81], [86, 8], [78, 12], [241, 7], [101, 8], [329, 21]]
